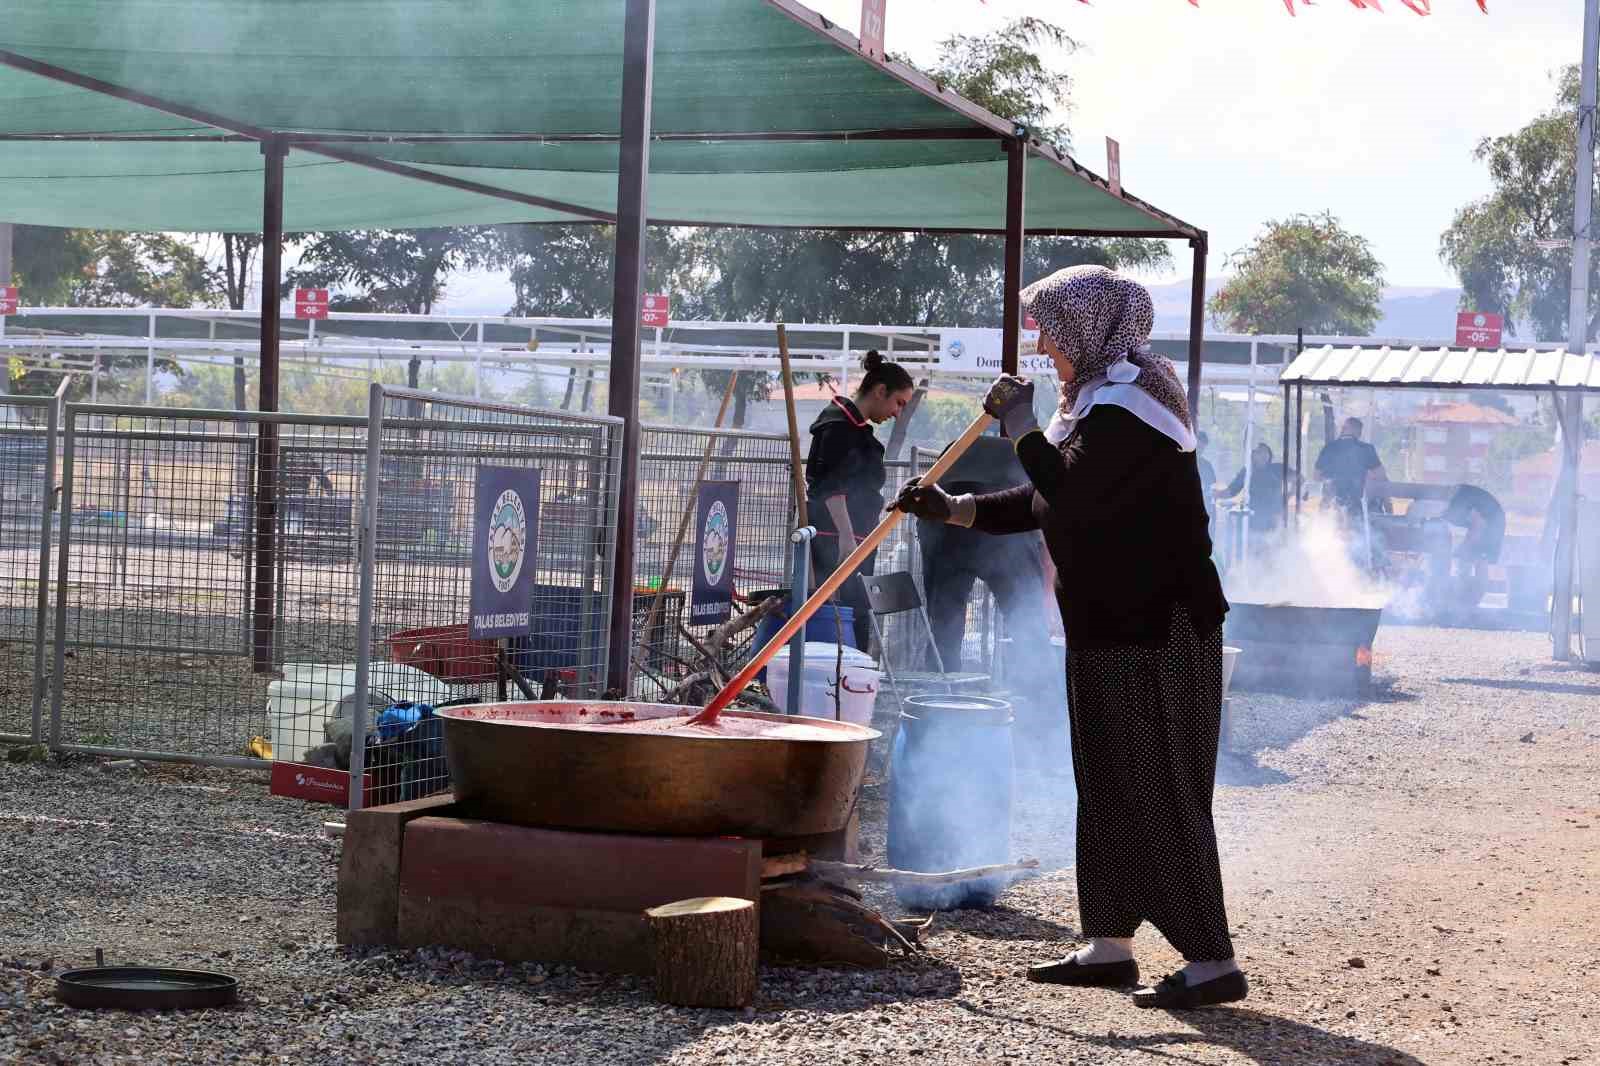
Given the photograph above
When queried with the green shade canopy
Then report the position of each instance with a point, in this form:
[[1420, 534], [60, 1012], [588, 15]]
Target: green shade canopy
[[765, 114]]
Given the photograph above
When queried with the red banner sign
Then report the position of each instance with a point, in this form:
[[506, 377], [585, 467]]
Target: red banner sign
[[872, 14], [311, 303], [655, 310], [8, 299], [316, 783], [1478, 329]]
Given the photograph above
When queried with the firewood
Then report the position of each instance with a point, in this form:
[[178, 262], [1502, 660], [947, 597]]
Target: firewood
[[785, 865], [706, 951], [815, 922], [913, 877]]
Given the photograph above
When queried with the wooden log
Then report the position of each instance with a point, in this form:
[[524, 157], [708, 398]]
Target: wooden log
[[706, 951]]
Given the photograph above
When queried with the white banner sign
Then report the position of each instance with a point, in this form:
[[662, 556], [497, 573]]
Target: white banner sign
[[977, 351]]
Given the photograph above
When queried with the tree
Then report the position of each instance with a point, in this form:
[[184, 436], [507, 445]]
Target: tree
[[240, 252], [397, 271], [1304, 272], [93, 268], [1004, 72], [1508, 249]]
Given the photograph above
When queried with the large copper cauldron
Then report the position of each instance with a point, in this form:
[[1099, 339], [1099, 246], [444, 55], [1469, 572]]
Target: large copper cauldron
[[526, 763]]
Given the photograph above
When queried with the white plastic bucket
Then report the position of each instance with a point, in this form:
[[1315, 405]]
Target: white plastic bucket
[[857, 693], [313, 694], [1230, 657]]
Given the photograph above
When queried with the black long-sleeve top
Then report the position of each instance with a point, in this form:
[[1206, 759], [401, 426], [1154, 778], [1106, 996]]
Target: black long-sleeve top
[[846, 460], [1124, 518]]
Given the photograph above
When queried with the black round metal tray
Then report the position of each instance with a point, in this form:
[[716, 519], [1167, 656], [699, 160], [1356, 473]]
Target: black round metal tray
[[145, 988]]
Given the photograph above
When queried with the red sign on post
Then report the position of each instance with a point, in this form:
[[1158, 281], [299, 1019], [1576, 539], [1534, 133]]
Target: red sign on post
[[311, 303], [655, 310], [8, 299], [1478, 329], [872, 14]]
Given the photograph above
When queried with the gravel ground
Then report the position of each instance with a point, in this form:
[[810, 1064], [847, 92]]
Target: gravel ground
[[1411, 880]]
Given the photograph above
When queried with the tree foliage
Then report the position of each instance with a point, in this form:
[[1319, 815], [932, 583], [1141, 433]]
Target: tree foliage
[[1005, 73], [93, 268], [1303, 272], [397, 271], [1508, 248]]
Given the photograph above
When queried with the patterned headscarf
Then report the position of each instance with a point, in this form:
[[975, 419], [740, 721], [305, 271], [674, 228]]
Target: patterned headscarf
[[1099, 318]]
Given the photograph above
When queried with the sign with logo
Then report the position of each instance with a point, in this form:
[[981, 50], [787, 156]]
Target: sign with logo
[[872, 15], [716, 527], [311, 303], [1114, 166], [8, 299], [316, 783], [1478, 329], [505, 530], [655, 310], [977, 351]]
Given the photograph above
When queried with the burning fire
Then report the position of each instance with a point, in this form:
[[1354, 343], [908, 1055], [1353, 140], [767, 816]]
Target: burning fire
[[1363, 656]]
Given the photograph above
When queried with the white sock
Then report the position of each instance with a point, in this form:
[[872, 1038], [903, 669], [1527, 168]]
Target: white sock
[[1198, 973], [1104, 949]]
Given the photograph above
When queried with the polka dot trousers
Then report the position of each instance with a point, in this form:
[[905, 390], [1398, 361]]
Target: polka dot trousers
[[1144, 751]]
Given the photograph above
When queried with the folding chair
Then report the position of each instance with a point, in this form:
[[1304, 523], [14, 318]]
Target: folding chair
[[896, 593]]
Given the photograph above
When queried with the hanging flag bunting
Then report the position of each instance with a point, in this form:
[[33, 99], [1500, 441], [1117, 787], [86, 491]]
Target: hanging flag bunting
[[1420, 7]]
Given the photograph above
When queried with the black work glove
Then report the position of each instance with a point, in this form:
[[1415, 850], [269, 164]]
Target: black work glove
[[930, 502], [1010, 399]]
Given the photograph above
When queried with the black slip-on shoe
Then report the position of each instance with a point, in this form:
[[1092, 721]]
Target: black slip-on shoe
[[1174, 993], [1093, 974]]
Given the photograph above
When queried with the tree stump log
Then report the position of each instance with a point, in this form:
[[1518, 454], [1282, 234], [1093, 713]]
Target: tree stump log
[[706, 951]]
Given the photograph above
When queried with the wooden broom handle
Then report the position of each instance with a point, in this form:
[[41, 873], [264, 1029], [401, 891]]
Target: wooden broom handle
[[851, 564]]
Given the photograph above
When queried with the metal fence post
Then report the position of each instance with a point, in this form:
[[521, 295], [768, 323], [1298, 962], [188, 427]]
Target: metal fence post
[[800, 586], [63, 589], [368, 563], [42, 602]]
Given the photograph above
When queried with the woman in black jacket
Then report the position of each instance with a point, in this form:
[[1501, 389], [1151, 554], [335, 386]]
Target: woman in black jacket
[[1116, 491], [845, 475]]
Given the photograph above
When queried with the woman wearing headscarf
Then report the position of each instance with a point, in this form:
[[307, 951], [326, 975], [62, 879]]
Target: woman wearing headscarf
[[1116, 491]]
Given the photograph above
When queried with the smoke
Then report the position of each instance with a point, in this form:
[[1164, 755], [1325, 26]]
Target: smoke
[[1320, 564]]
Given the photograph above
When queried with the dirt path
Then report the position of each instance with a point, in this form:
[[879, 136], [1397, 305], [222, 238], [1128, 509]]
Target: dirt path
[[1419, 833]]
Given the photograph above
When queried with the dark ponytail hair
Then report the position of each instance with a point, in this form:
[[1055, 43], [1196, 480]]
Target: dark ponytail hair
[[879, 371]]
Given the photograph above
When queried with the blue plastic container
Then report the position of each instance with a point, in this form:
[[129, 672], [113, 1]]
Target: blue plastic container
[[950, 792], [819, 627]]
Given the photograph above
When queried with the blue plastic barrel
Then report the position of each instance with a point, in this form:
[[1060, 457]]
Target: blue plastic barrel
[[819, 627], [950, 791]]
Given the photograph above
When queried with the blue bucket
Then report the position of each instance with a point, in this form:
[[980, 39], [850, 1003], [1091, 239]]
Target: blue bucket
[[819, 627]]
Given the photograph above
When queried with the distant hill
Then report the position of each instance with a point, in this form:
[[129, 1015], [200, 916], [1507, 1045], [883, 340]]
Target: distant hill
[[1408, 311]]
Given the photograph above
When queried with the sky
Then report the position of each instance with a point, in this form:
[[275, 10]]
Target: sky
[[1234, 113]]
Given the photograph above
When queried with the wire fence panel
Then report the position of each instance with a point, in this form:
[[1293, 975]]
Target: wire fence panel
[[671, 463], [156, 576], [28, 443], [423, 470]]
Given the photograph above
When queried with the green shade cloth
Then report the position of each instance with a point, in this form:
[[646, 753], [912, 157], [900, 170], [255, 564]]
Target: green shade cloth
[[497, 67]]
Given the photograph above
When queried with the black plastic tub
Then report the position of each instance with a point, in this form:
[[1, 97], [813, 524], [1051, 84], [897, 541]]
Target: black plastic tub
[[145, 988]]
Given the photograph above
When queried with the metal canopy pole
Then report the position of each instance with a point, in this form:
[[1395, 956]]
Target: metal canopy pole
[[1197, 325], [1016, 238], [1571, 412], [264, 614], [633, 174], [1286, 460]]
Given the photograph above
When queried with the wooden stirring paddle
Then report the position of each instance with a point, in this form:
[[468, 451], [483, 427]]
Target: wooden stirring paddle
[[825, 590]]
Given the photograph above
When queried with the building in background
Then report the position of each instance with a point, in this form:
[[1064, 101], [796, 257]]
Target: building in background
[[1450, 443]]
